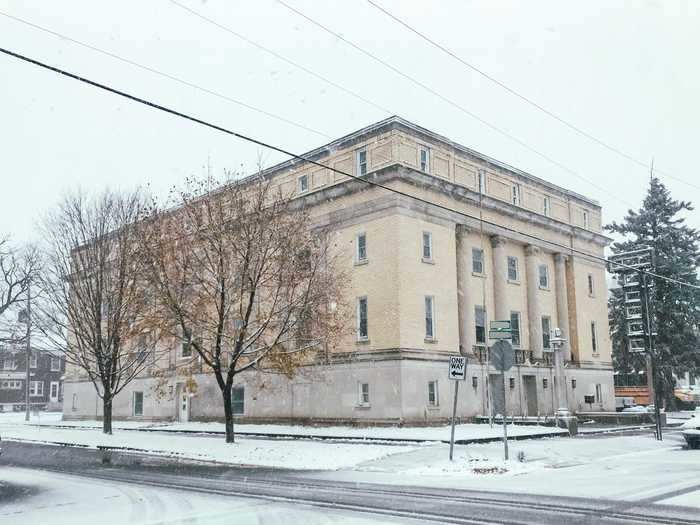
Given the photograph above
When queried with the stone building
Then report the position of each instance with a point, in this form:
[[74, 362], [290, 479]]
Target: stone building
[[425, 282]]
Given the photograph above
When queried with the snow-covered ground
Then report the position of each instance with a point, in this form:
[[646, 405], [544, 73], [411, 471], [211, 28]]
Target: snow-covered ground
[[69, 500]]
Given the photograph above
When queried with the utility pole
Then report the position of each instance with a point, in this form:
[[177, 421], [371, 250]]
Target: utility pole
[[652, 358], [29, 351]]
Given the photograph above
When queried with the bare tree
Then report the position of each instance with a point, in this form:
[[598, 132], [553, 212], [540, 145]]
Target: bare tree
[[243, 279], [95, 308], [17, 268]]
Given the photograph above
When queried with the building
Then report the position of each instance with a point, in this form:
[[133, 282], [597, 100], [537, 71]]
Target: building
[[46, 379], [425, 282]]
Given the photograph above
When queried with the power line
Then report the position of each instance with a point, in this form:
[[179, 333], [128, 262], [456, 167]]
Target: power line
[[164, 75], [522, 97], [279, 149], [280, 57], [451, 102]]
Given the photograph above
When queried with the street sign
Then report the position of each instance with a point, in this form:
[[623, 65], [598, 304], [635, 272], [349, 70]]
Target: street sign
[[499, 330], [502, 356], [458, 368]]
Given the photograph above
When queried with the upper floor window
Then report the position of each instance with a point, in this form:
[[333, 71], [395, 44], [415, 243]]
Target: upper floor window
[[186, 345], [425, 160], [33, 360], [515, 328], [480, 324], [546, 206], [546, 327], [361, 251], [55, 364], [544, 276], [512, 268], [477, 260], [9, 364], [427, 246], [362, 162], [515, 196], [362, 332], [429, 317], [482, 181], [594, 337], [590, 285], [303, 183], [585, 219]]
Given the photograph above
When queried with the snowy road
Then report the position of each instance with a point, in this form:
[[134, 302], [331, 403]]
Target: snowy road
[[134, 489]]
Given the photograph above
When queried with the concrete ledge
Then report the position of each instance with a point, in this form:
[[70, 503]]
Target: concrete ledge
[[621, 418]]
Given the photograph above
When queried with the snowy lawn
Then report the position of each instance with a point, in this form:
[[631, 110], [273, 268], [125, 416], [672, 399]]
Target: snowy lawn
[[259, 452]]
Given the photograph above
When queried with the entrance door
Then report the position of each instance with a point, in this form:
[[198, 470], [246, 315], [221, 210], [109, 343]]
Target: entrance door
[[530, 388], [498, 399], [183, 404]]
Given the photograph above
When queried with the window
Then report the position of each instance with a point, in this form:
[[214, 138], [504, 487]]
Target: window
[[480, 323], [635, 328], [427, 246], [573, 384], [637, 345], [631, 279], [633, 296], [363, 391], [515, 328], [362, 162], [599, 393], [482, 181], [475, 381], [544, 276], [516, 194], [590, 285], [511, 383], [512, 268], [546, 206], [137, 404], [362, 332], [545, 382], [585, 220], [361, 254], [36, 388], [594, 338], [53, 390], [33, 360], [425, 160], [186, 347], [634, 312], [477, 260], [546, 326], [433, 399], [10, 385], [9, 364], [238, 400], [55, 364], [303, 183], [429, 317], [74, 406]]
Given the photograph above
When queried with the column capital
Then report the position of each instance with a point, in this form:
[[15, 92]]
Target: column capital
[[462, 229], [560, 258], [531, 250], [498, 240]]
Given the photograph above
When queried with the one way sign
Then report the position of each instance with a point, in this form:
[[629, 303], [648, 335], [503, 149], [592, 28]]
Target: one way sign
[[458, 368]]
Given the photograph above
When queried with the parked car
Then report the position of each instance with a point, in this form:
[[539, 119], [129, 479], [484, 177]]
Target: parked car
[[638, 408], [621, 403], [691, 432]]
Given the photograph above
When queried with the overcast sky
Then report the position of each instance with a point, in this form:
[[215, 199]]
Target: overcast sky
[[626, 72]]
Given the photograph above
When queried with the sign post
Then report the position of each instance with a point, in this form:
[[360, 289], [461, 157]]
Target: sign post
[[503, 358], [457, 372]]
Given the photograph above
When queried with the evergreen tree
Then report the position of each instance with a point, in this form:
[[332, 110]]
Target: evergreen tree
[[676, 308]]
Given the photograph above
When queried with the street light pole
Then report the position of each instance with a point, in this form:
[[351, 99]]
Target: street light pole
[[28, 351]]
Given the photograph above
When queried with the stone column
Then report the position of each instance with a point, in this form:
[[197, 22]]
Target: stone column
[[562, 353], [500, 278], [534, 309], [465, 309]]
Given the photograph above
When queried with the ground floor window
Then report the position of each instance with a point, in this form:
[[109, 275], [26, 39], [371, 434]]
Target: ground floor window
[[75, 402], [11, 385], [36, 388], [545, 382], [599, 393], [363, 393], [238, 399], [433, 399], [138, 404], [53, 391]]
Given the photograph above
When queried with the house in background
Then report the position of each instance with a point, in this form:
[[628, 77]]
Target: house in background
[[46, 379]]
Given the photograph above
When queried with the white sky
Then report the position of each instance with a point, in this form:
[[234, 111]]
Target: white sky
[[627, 72]]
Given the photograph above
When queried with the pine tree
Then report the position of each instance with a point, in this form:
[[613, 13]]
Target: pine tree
[[676, 308]]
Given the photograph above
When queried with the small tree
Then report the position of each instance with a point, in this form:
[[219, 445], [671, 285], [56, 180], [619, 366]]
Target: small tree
[[676, 307], [95, 308], [243, 279]]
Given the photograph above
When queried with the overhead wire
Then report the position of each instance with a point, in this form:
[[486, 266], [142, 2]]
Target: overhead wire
[[296, 156]]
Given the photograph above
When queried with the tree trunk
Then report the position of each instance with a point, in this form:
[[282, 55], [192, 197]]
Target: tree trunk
[[107, 415], [228, 413]]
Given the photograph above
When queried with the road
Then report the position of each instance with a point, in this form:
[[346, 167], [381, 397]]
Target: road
[[46, 481]]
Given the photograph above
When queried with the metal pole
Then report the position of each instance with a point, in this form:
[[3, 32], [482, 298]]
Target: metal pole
[[28, 351], [454, 416], [505, 419], [650, 346]]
